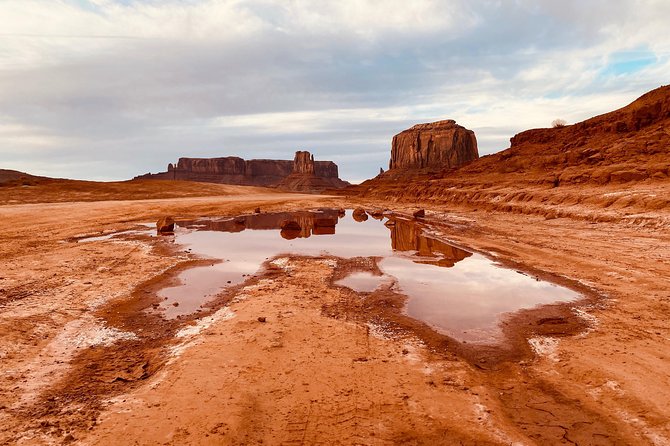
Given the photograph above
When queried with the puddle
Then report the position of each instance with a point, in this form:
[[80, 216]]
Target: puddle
[[467, 300], [364, 282], [119, 234], [459, 293]]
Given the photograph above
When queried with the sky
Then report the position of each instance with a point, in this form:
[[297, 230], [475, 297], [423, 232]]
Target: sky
[[111, 89]]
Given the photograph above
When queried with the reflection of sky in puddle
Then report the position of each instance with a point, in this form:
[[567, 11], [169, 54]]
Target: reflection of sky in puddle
[[119, 234], [363, 281], [458, 293], [466, 300]]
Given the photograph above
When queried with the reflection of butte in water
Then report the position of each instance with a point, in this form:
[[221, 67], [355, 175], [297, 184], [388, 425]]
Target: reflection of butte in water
[[406, 236], [460, 294], [292, 224]]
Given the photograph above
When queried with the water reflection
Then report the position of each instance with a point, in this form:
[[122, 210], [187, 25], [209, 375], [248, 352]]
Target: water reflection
[[407, 236], [364, 281], [459, 293], [304, 224]]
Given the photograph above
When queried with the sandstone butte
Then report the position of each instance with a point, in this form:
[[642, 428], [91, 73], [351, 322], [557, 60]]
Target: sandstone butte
[[628, 145], [438, 144], [305, 174]]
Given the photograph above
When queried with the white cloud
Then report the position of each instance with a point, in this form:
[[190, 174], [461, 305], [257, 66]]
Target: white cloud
[[120, 87]]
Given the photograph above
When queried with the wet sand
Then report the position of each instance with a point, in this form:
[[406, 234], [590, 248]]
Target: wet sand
[[85, 362]]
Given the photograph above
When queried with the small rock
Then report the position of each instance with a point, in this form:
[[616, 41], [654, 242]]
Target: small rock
[[176, 304], [261, 319], [359, 214], [377, 214], [257, 211], [165, 225], [420, 213]]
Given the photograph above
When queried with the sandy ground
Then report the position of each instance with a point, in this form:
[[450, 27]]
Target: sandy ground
[[84, 362]]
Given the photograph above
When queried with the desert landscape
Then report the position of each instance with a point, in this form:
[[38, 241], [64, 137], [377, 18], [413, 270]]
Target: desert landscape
[[352, 222], [288, 354]]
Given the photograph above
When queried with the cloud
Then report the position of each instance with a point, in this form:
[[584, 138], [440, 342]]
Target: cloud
[[108, 89]]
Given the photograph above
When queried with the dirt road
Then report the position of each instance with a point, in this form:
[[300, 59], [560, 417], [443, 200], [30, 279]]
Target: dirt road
[[83, 361]]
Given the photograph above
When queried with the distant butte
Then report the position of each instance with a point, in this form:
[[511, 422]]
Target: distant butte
[[302, 174], [441, 144], [305, 176]]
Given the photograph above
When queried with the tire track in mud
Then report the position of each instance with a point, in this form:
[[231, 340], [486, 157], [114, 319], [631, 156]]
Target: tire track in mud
[[346, 411], [341, 412], [546, 416]]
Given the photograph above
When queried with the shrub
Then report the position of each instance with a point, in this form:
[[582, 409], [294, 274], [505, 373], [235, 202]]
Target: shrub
[[558, 123]]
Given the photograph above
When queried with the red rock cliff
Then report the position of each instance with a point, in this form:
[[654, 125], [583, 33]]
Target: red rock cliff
[[442, 144], [308, 176], [303, 163], [614, 164], [263, 172], [628, 144]]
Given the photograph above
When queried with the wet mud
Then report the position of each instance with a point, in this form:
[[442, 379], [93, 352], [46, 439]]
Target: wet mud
[[100, 373]]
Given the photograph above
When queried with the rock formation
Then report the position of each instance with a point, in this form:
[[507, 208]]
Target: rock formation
[[359, 215], [15, 178], [263, 172], [613, 162], [629, 144], [165, 225], [421, 213], [442, 144], [304, 176], [406, 236], [303, 163]]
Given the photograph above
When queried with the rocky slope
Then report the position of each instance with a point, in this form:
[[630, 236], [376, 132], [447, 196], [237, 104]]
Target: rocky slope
[[51, 190], [438, 144], [611, 165], [629, 144], [16, 178], [237, 171]]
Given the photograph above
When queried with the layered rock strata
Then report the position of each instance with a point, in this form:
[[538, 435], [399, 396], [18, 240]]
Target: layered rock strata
[[261, 172], [442, 144], [305, 177]]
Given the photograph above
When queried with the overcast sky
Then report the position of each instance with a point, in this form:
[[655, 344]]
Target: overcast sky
[[109, 89]]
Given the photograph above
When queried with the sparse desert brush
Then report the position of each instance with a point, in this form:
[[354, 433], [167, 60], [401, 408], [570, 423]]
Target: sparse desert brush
[[558, 123]]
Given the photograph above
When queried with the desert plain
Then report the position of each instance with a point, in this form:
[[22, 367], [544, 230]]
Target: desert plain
[[336, 223], [85, 362]]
